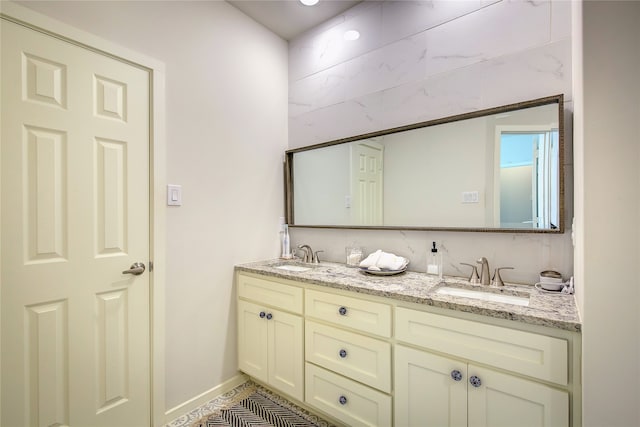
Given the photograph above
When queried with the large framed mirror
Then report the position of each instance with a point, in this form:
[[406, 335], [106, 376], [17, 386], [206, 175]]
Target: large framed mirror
[[499, 169]]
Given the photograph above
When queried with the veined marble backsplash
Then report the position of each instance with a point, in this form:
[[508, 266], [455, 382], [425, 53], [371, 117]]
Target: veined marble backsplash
[[528, 254], [421, 60]]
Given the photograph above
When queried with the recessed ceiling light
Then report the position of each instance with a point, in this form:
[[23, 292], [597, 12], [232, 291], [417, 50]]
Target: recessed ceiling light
[[352, 35], [309, 2]]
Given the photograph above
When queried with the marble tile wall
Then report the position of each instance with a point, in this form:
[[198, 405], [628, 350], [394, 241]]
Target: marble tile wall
[[420, 60], [491, 54]]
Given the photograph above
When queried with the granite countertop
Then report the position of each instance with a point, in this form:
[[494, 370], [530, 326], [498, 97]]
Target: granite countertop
[[546, 309]]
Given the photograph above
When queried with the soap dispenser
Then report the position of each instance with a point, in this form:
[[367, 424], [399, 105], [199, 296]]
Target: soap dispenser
[[434, 262]]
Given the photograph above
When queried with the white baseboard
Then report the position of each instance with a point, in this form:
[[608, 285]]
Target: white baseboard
[[203, 398]]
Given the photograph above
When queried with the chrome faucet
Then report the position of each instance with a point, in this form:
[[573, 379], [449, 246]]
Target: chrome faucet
[[484, 271], [308, 253]]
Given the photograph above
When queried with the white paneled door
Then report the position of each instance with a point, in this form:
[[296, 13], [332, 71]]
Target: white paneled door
[[75, 214]]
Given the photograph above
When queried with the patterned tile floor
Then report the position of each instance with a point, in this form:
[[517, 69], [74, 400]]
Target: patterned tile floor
[[224, 401], [229, 399]]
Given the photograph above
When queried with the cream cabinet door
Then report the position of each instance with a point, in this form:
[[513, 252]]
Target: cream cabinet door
[[430, 390], [270, 347], [285, 349], [252, 340], [504, 400]]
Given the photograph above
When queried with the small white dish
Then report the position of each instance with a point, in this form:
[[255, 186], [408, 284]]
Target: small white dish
[[552, 288], [551, 277]]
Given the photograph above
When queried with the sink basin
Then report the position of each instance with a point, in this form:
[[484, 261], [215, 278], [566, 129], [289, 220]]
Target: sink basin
[[292, 267], [484, 295]]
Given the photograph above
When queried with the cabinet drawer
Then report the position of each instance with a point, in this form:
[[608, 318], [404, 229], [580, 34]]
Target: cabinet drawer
[[350, 402], [270, 293], [527, 353], [361, 358], [362, 315]]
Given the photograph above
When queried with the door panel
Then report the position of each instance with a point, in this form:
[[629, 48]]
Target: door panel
[[75, 214], [45, 195], [111, 185], [111, 329], [46, 357]]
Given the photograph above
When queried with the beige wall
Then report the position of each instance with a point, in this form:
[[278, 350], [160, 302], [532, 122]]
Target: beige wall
[[608, 210], [226, 92]]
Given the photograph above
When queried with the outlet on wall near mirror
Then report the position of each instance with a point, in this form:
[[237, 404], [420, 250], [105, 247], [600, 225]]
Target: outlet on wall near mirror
[[499, 169]]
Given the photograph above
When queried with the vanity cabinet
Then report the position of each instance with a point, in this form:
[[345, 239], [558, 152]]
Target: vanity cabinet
[[445, 390], [365, 360], [270, 334]]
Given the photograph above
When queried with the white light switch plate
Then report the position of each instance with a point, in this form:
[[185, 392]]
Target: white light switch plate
[[174, 195]]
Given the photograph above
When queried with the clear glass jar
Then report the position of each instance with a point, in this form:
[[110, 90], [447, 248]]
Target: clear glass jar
[[353, 255]]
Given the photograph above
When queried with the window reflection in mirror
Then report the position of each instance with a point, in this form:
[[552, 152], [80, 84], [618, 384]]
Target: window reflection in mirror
[[528, 178], [498, 169]]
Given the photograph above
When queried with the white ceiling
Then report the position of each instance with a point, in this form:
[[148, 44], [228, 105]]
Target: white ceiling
[[289, 18]]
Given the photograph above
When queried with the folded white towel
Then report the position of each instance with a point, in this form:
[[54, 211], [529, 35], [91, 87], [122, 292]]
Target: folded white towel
[[384, 260], [391, 261], [371, 260]]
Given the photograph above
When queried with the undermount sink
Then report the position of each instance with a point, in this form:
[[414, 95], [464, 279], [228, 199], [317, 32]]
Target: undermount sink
[[293, 267], [499, 297]]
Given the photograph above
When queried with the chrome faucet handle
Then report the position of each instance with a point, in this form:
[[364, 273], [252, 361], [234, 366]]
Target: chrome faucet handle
[[316, 257], [496, 280], [473, 278]]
